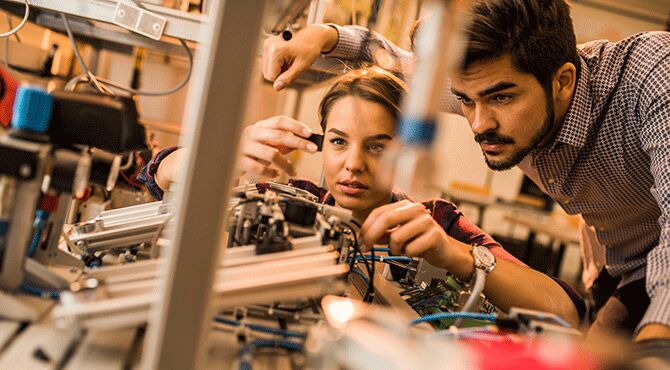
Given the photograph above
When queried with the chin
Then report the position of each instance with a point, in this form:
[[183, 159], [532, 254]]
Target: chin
[[503, 163]]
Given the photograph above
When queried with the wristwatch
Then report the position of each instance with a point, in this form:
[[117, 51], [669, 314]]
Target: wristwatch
[[484, 258]]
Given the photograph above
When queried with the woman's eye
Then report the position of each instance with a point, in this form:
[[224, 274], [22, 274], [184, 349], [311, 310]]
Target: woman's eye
[[338, 141], [376, 148]]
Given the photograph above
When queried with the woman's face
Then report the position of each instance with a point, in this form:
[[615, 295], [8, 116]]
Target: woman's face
[[358, 131]]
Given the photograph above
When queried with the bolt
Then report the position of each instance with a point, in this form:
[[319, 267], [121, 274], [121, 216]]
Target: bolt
[[122, 13], [25, 170]]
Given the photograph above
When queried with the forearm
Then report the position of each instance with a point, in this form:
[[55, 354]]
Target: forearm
[[513, 285]]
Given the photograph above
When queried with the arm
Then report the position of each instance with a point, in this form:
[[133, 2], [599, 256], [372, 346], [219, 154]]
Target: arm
[[262, 149], [655, 113], [414, 232]]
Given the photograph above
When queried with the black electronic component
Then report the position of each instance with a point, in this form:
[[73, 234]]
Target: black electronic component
[[105, 122], [299, 213], [318, 140], [24, 163]]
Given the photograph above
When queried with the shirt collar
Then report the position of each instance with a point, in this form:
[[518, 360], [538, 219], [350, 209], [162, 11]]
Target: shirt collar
[[577, 121]]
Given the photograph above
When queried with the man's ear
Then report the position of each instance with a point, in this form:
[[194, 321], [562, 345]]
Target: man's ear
[[564, 82]]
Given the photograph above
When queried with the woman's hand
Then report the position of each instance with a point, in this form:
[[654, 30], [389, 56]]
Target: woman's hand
[[410, 230], [264, 144]]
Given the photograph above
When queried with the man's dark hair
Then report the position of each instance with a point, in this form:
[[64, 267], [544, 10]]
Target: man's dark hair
[[538, 34]]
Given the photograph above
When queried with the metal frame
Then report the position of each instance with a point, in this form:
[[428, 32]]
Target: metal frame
[[179, 24], [215, 110]]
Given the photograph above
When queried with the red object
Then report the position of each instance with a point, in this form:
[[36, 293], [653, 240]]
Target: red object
[[10, 85], [49, 203]]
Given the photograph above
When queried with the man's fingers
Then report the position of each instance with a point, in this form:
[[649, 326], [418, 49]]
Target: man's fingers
[[297, 67]]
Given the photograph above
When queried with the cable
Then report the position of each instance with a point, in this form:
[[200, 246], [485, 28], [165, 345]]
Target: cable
[[42, 293], [39, 224], [260, 328], [386, 258], [369, 294], [477, 289], [20, 26], [247, 351], [455, 315], [92, 80]]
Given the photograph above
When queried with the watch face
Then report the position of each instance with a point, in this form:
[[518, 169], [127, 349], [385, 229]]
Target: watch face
[[484, 255]]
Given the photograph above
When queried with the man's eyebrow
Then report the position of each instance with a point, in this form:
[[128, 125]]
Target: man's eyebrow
[[488, 91], [495, 88], [338, 132]]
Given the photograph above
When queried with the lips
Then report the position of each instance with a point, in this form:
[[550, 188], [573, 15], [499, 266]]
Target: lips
[[492, 147], [352, 187]]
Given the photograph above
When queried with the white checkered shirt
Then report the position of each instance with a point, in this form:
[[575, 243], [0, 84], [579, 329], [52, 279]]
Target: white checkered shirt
[[611, 160]]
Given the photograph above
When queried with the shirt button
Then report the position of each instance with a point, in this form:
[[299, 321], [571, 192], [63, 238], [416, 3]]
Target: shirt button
[[551, 180]]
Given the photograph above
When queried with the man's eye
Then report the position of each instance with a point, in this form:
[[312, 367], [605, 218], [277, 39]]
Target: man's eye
[[464, 100], [502, 99]]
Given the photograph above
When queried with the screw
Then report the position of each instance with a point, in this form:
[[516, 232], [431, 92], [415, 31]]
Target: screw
[[122, 13], [25, 170]]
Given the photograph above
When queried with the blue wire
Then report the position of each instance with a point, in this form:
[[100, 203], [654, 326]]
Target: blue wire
[[387, 258], [455, 315], [260, 328], [39, 224], [42, 293], [387, 250], [249, 348]]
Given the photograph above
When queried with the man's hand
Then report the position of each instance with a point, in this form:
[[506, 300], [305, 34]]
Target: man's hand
[[284, 61], [412, 231], [651, 331], [264, 144]]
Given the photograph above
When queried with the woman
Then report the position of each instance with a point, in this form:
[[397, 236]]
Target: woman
[[358, 116]]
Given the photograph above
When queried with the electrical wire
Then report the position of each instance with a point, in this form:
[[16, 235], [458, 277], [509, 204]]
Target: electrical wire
[[369, 294], [40, 222], [103, 82], [42, 293], [260, 328], [477, 289], [92, 80], [20, 25], [247, 351], [455, 315]]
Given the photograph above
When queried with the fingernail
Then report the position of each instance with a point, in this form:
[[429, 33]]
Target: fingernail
[[312, 147], [307, 131], [279, 85]]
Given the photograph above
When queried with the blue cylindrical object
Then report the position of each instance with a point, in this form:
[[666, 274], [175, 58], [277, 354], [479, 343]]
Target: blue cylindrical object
[[417, 131], [32, 109]]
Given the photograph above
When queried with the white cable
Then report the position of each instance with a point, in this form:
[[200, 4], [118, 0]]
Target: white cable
[[477, 289], [23, 22], [91, 77]]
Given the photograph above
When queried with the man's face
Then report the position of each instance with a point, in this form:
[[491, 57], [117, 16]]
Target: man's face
[[509, 112]]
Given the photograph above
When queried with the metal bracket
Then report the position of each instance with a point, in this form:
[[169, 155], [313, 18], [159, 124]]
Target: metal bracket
[[139, 20]]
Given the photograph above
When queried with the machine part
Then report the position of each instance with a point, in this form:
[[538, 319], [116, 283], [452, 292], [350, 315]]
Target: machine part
[[104, 168], [139, 20], [70, 172]]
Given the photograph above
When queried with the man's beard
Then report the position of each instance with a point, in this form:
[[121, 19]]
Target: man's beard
[[520, 154]]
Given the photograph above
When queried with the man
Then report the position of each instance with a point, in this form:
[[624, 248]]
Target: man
[[590, 125]]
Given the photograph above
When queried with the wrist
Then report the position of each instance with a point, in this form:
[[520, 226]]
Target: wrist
[[329, 38], [460, 263]]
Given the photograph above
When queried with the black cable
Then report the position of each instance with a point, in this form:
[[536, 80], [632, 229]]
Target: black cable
[[369, 294]]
